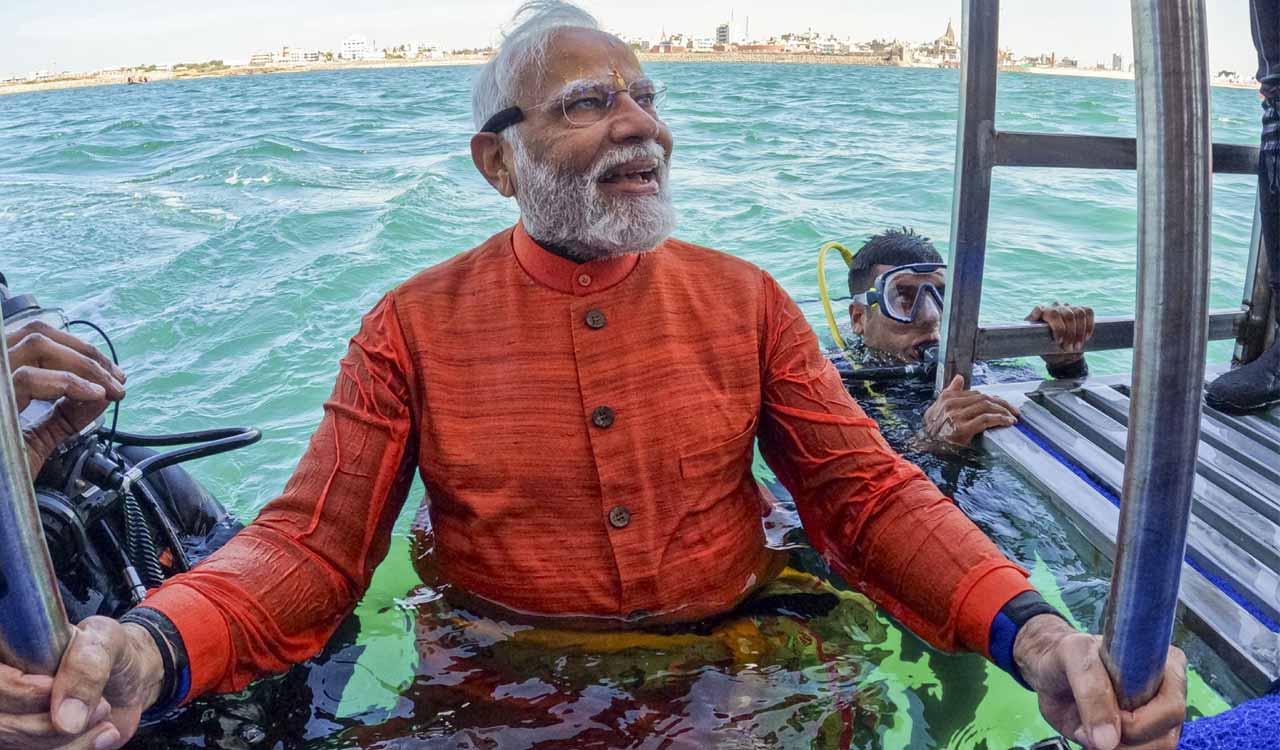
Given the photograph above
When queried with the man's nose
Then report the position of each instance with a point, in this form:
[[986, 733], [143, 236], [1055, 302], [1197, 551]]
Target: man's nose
[[628, 121]]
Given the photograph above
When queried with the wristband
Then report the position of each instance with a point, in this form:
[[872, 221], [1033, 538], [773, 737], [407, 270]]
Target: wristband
[[173, 656], [1008, 621], [1069, 371]]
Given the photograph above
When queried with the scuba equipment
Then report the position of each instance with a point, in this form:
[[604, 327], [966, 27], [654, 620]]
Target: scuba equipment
[[822, 288], [927, 366], [924, 370], [119, 518], [903, 293]]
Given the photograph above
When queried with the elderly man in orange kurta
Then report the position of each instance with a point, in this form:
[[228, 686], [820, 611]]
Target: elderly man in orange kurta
[[593, 464]]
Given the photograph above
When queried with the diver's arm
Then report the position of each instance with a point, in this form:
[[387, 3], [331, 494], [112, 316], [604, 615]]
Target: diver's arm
[[274, 594], [880, 523]]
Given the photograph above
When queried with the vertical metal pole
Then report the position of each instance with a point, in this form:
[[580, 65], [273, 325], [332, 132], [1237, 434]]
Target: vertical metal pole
[[33, 623], [971, 199], [1255, 334], [1174, 207]]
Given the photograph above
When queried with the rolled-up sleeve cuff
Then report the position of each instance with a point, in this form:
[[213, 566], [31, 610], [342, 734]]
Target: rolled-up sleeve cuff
[[992, 588], [203, 631]]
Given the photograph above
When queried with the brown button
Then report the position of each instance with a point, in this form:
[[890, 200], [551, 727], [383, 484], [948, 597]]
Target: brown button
[[602, 416], [619, 517], [595, 319], [584, 279]]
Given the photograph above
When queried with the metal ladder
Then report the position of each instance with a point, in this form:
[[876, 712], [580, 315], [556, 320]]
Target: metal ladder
[[1189, 510], [980, 148]]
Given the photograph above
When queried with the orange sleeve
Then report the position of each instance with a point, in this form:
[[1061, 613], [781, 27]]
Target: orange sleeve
[[873, 516], [275, 593]]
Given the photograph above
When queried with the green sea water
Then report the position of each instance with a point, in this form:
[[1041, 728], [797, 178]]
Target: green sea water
[[229, 233]]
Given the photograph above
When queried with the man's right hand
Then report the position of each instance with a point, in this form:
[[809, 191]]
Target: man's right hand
[[50, 364], [959, 414], [109, 674]]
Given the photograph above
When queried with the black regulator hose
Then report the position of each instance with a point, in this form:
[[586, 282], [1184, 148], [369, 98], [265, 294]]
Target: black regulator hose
[[139, 544], [925, 369]]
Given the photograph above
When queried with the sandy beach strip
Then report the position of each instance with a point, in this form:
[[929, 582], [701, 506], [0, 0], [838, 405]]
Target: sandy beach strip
[[121, 78]]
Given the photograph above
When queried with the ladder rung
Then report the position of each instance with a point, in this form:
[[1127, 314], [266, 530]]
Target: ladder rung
[[1016, 149], [1026, 339]]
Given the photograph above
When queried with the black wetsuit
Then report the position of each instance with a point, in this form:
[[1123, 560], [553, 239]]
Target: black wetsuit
[[1264, 16]]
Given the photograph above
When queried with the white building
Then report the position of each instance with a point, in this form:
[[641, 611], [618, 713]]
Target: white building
[[356, 47], [263, 58], [703, 44]]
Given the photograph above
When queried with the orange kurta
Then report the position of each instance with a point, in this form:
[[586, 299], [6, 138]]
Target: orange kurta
[[585, 434]]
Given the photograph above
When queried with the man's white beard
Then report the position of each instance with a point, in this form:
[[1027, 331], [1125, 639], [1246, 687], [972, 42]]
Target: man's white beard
[[571, 212]]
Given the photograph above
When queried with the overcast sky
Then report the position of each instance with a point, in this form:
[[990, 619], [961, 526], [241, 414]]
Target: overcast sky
[[81, 35]]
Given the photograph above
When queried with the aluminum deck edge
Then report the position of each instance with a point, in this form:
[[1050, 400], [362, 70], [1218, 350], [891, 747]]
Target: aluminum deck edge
[[1249, 643]]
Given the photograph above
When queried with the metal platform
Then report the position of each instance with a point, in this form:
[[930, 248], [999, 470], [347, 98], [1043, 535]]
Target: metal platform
[[1071, 443]]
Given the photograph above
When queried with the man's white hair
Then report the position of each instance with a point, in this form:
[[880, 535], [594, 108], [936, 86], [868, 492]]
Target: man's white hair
[[524, 46]]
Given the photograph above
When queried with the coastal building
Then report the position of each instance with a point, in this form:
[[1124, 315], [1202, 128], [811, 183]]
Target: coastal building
[[942, 51], [1117, 62], [723, 34], [262, 58], [356, 47], [703, 44], [1068, 62], [291, 56]]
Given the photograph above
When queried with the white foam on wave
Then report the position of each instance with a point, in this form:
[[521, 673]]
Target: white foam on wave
[[216, 213], [170, 198], [236, 179]]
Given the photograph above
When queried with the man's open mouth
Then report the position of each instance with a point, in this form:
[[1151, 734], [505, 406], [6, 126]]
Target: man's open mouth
[[633, 172]]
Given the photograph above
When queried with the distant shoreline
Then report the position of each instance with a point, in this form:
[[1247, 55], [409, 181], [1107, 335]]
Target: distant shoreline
[[120, 79]]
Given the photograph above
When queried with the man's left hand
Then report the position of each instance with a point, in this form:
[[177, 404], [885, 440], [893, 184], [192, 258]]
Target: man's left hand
[[1064, 667], [1069, 325]]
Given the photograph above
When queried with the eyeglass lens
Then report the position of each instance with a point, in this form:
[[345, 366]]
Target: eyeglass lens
[[589, 104]]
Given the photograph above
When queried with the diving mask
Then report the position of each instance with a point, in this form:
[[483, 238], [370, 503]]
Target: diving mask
[[908, 294]]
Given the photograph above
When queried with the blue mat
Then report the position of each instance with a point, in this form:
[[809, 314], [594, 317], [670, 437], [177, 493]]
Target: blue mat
[[1254, 725]]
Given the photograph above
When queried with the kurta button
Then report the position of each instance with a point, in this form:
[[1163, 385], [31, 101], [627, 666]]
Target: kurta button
[[595, 319], [619, 517], [584, 279], [602, 416]]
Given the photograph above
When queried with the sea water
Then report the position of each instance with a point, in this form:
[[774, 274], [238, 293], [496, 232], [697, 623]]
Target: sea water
[[229, 233]]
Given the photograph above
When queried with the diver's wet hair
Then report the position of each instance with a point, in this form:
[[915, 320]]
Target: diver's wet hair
[[892, 247]]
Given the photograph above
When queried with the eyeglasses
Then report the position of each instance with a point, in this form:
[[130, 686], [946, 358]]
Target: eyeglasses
[[586, 103], [908, 293]]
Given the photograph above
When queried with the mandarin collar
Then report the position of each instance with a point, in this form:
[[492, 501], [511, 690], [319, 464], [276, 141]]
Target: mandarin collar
[[562, 274]]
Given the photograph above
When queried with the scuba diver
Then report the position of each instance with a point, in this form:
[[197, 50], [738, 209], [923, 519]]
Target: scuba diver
[[897, 281], [118, 517]]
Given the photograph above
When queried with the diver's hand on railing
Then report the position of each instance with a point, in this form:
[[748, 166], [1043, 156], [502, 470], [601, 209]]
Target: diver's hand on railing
[[1065, 668], [50, 364], [959, 415], [109, 674], [1071, 327]]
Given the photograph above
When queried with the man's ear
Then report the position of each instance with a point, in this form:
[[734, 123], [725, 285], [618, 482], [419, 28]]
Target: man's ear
[[858, 319], [487, 151]]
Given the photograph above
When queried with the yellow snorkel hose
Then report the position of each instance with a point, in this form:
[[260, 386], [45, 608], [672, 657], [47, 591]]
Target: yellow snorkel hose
[[822, 288]]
